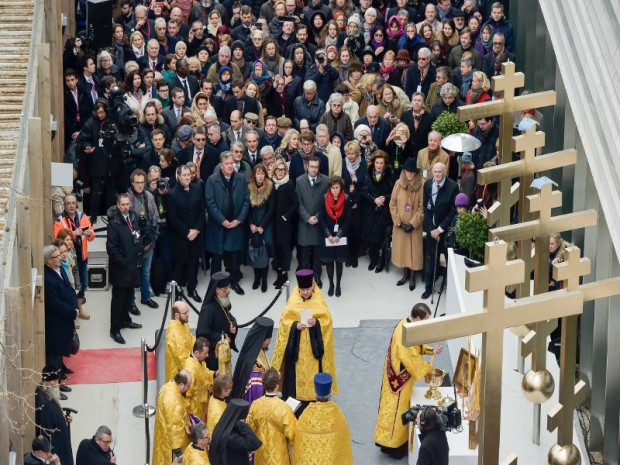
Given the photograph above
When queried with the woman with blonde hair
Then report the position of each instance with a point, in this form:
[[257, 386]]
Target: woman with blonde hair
[[200, 105], [479, 91], [407, 211], [354, 177], [289, 145], [284, 212], [215, 21]]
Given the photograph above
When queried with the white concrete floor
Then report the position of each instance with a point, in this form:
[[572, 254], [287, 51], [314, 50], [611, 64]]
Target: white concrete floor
[[366, 295]]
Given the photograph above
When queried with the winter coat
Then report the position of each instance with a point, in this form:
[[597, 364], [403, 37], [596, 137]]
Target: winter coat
[[376, 220], [60, 313], [311, 200], [285, 205], [220, 239], [324, 81], [312, 111], [124, 249], [406, 208], [341, 123], [262, 204], [89, 453], [354, 197], [185, 210]]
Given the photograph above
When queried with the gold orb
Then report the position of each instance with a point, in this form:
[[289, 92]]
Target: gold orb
[[564, 455], [538, 386]]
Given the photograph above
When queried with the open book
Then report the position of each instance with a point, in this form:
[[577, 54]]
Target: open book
[[294, 403]]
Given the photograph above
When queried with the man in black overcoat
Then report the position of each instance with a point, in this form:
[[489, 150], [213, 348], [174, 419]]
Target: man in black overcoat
[[186, 220], [125, 247], [439, 210]]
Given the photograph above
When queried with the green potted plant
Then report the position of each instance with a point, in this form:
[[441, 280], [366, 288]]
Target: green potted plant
[[471, 233], [448, 123]]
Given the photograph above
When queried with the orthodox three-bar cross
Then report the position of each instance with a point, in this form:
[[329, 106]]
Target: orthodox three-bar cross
[[495, 316], [505, 105]]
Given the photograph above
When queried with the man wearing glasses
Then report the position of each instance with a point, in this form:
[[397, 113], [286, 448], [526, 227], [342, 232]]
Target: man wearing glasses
[[499, 49], [96, 450], [421, 75]]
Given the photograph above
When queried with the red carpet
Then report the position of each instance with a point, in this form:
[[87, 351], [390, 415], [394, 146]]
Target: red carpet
[[109, 366]]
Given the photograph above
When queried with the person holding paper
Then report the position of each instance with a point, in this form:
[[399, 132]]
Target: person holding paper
[[322, 434], [305, 346], [335, 224], [403, 367], [273, 422]]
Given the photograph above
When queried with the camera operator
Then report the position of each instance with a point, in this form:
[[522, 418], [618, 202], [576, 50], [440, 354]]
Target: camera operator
[[323, 74], [143, 205], [131, 155], [434, 448], [94, 161], [159, 186]]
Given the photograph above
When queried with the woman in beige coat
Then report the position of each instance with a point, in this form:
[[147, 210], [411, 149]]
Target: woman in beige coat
[[408, 216]]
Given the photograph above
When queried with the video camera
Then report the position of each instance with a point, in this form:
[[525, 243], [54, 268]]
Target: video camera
[[118, 134], [449, 417]]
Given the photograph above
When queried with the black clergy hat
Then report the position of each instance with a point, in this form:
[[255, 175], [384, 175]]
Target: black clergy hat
[[304, 278]]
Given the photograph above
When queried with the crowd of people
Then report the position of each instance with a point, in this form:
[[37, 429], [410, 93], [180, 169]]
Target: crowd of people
[[227, 135]]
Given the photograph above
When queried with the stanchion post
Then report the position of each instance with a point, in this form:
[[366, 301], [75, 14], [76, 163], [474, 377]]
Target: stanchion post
[[144, 410], [287, 286], [173, 292]]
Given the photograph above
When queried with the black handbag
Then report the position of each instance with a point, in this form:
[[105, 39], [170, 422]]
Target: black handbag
[[75, 343], [257, 252]]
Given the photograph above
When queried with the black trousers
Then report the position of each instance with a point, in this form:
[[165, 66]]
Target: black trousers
[[310, 258], [119, 307], [282, 256], [433, 250], [185, 272], [232, 262]]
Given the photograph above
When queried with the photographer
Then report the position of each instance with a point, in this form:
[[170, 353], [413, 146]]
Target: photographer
[[323, 74], [159, 187], [93, 148], [434, 448], [143, 205]]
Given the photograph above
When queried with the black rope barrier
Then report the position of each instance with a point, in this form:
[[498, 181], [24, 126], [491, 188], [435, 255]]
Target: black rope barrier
[[244, 325], [161, 327]]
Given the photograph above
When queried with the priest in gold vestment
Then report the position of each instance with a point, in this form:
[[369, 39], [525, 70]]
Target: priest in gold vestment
[[179, 339], [304, 348], [273, 422], [197, 396], [171, 420], [197, 453], [403, 367], [322, 436], [222, 386]]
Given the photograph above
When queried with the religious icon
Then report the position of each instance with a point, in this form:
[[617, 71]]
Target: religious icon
[[465, 370]]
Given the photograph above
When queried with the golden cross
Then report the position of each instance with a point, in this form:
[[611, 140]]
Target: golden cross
[[505, 104], [571, 394], [495, 316], [499, 212]]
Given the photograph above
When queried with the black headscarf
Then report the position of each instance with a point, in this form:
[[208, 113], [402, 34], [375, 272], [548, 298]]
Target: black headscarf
[[261, 329], [236, 410], [219, 279]]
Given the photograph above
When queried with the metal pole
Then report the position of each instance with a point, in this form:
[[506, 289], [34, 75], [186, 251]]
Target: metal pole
[[536, 428], [139, 410], [173, 292], [287, 287]]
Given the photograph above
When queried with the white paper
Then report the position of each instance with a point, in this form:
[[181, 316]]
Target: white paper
[[293, 403], [62, 174], [343, 241], [306, 314]]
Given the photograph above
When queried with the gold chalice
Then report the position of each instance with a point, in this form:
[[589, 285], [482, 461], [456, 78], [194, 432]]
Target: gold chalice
[[434, 380]]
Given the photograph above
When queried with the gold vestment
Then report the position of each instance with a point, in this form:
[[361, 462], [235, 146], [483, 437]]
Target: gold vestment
[[214, 413], [197, 396], [274, 422], [322, 436], [179, 345], [171, 424], [307, 366], [193, 456]]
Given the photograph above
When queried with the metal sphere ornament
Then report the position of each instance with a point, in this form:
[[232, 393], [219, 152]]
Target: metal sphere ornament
[[564, 455], [538, 386]]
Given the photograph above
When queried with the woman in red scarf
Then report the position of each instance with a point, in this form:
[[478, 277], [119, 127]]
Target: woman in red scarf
[[335, 223]]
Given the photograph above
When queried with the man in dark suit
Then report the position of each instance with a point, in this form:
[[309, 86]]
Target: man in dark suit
[[88, 82], [379, 126], [439, 210], [125, 248], [237, 130], [251, 155], [240, 102], [173, 115], [186, 220], [419, 123], [491, 63], [78, 107], [141, 23], [421, 75], [152, 59], [214, 149], [61, 309], [196, 150], [185, 81], [228, 201]]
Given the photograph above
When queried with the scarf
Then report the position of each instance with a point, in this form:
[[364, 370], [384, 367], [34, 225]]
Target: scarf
[[400, 30], [280, 182], [487, 44], [334, 208], [240, 63], [376, 45], [138, 52], [385, 72], [259, 194], [352, 167], [377, 176], [264, 77], [306, 157], [474, 95], [330, 41], [230, 213], [225, 86], [271, 64], [271, 140]]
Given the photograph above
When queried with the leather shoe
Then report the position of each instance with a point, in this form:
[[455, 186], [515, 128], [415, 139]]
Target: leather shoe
[[150, 303], [64, 388], [67, 370], [194, 295], [118, 337], [319, 283], [131, 325], [426, 294], [235, 287], [134, 310], [63, 397]]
